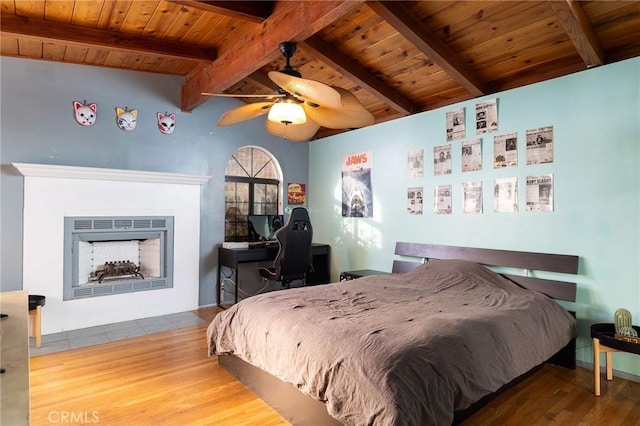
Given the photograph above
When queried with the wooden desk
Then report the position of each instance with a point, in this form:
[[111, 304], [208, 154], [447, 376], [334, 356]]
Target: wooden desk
[[14, 357], [604, 341], [231, 258]]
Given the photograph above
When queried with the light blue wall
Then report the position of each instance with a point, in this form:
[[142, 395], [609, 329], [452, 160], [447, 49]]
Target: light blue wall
[[38, 126], [596, 120]]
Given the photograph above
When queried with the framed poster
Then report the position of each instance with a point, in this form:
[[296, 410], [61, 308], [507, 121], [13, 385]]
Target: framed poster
[[357, 198], [296, 193]]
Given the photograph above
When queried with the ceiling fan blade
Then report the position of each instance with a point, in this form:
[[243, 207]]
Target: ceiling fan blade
[[244, 113], [293, 132], [351, 114], [309, 90], [232, 95]]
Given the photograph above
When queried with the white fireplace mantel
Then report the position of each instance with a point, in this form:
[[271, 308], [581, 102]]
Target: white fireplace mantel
[[53, 193], [75, 172]]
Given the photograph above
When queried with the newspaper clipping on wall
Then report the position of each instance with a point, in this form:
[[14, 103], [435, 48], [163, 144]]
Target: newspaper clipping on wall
[[357, 197], [442, 160], [472, 155], [455, 125], [442, 199], [505, 195], [415, 164], [472, 197], [414, 200], [505, 150], [540, 193], [487, 117], [540, 145]]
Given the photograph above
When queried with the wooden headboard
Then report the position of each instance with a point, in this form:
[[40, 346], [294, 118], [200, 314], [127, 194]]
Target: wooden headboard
[[528, 261]]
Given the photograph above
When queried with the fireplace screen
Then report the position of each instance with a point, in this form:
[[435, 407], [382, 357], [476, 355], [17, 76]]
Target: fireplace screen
[[111, 255]]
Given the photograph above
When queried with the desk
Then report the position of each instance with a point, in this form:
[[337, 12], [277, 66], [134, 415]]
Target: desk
[[231, 258], [604, 341]]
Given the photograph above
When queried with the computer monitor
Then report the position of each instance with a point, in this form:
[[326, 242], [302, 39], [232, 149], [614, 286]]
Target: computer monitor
[[263, 227]]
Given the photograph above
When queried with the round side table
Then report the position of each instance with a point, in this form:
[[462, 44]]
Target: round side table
[[604, 341]]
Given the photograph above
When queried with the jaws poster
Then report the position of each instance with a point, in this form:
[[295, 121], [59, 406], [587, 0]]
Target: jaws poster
[[357, 198]]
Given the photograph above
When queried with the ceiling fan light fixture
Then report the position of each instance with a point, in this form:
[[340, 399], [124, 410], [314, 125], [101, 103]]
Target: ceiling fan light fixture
[[287, 110]]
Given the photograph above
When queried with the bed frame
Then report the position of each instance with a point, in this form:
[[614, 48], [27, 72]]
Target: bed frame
[[301, 409]]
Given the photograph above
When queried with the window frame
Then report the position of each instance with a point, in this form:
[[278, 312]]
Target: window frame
[[235, 220]]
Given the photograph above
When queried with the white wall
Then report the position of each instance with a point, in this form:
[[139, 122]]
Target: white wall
[[596, 120]]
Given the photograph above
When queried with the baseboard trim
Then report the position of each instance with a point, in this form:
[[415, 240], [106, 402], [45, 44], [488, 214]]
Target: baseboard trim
[[616, 373]]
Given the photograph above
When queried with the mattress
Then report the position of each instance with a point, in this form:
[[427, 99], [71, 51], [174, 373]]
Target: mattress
[[401, 349]]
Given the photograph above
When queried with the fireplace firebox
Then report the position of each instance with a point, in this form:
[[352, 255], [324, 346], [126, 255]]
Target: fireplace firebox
[[117, 254]]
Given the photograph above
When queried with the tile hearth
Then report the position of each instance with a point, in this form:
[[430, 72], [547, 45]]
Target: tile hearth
[[73, 339]]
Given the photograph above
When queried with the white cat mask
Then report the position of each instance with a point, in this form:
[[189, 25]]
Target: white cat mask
[[86, 115], [166, 123], [125, 119]]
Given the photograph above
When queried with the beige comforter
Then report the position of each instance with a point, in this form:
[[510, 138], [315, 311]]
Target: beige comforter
[[405, 349]]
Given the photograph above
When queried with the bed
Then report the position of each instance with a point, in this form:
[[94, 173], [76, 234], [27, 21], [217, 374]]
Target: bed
[[424, 345]]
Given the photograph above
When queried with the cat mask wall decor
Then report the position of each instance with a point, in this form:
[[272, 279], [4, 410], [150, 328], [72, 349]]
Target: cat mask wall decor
[[166, 123], [86, 115], [125, 119]]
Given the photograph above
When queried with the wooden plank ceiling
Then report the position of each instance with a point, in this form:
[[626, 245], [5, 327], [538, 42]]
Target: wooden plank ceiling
[[398, 57]]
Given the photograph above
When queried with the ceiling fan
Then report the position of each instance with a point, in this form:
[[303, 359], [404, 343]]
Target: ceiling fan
[[299, 107]]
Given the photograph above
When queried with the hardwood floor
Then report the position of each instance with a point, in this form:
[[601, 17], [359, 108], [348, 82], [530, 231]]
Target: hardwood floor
[[557, 396], [167, 379]]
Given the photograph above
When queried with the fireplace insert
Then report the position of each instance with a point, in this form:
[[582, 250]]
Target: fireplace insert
[[111, 255]]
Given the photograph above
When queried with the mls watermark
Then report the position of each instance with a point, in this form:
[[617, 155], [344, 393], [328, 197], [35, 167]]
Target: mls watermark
[[73, 417]]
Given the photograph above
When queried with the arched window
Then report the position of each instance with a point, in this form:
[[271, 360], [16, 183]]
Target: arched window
[[252, 186]]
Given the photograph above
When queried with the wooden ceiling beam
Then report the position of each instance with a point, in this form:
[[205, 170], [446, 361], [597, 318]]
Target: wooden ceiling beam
[[261, 79], [251, 11], [411, 28], [355, 72], [578, 28], [250, 49], [41, 30]]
